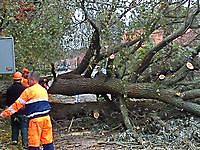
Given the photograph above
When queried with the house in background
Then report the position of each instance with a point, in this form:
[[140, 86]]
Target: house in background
[[158, 35]]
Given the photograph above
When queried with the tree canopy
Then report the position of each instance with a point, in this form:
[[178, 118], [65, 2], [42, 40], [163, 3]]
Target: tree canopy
[[37, 28]]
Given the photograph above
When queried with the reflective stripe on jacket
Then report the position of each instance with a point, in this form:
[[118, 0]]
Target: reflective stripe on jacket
[[36, 100]]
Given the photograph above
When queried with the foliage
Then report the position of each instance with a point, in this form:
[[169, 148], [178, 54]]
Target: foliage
[[37, 29]]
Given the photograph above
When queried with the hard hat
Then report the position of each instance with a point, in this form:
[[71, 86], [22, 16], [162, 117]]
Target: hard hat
[[17, 75], [25, 70]]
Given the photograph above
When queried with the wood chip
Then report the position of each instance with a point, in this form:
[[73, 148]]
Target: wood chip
[[161, 76], [189, 65]]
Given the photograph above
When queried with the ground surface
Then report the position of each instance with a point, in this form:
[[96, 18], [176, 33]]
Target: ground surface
[[156, 133], [159, 127]]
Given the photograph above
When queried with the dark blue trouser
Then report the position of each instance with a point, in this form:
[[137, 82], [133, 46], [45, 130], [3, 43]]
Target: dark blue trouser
[[19, 123], [45, 147]]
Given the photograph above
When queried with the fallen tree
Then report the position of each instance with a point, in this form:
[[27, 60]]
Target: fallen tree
[[134, 68], [116, 87]]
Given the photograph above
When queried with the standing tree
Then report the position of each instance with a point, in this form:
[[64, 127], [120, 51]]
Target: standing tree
[[37, 28]]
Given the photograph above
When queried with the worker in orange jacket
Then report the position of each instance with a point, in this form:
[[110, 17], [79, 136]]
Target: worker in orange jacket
[[37, 108], [25, 73]]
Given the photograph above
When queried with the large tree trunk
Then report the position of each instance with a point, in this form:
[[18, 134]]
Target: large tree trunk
[[116, 87]]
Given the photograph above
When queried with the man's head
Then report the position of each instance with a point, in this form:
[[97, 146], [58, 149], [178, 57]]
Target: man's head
[[17, 76], [25, 72], [33, 78]]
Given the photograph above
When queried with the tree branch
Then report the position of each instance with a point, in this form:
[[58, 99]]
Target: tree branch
[[148, 57]]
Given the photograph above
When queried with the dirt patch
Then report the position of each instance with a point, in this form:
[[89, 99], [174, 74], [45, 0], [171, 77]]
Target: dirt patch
[[84, 140]]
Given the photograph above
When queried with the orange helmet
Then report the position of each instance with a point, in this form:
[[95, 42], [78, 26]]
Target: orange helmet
[[17, 75], [25, 70]]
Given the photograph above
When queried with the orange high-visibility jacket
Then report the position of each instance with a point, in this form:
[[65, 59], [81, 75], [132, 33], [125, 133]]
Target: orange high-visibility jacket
[[36, 100]]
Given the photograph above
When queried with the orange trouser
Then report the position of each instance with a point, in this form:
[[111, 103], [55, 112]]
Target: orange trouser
[[40, 130]]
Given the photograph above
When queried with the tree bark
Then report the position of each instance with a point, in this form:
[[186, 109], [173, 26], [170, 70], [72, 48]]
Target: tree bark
[[116, 87]]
